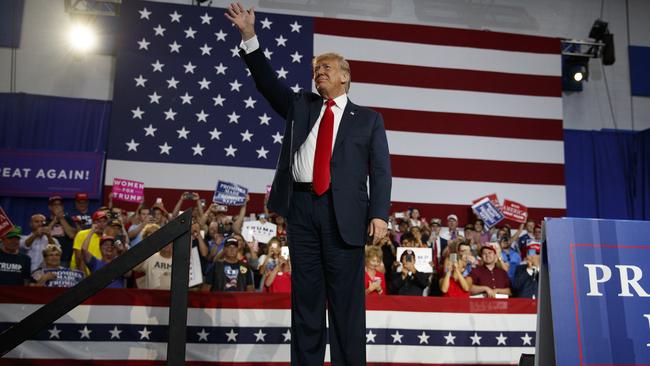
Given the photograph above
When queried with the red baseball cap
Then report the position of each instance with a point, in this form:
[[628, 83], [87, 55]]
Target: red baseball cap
[[99, 215], [106, 238], [488, 246], [83, 196]]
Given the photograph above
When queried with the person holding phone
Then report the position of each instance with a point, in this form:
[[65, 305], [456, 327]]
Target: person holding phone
[[278, 280], [455, 282], [526, 282], [375, 279], [410, 281], [143, 218]]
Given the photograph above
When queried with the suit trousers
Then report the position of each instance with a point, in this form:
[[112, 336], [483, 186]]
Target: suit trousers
[[325, 271]]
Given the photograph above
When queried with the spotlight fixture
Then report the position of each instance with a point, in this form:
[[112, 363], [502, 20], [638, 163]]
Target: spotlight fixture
[[82, 37], [575, 70], [577, 53]]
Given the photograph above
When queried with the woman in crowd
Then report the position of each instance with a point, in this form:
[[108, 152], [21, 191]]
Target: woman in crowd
[[456, 282], [278, 280], [375, 279], [51, 260]]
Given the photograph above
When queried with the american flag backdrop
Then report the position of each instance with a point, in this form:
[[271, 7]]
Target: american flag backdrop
[[467, 112], [130, 327]]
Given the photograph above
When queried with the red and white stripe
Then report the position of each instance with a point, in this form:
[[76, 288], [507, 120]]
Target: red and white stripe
[[150, 307], [467, 113]]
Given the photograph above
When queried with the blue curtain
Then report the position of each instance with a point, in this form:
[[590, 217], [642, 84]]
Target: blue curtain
[[49, 123], [607, 174]]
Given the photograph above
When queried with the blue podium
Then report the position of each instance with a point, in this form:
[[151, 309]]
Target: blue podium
[[594, 303]]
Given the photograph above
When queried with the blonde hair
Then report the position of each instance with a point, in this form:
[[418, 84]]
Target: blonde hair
[[373, 251], [51, 248], [149, 229], [343, 64]]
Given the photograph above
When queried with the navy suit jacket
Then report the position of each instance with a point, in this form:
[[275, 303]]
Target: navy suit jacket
[[360, 155]]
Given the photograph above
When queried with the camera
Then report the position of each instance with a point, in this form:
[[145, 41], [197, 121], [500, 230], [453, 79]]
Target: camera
[[188, 196], [220, 228], [114, 215], [453, 257]]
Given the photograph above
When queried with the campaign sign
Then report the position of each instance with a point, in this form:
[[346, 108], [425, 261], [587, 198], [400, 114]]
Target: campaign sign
[[128, 190], [5, 223], [493, 198], [44, 173], [423, 258], [65, 277], [599, 277], [489, 213], [258, 231], [229, 194], [514, 211]]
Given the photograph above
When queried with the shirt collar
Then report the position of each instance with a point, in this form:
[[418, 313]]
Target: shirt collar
[[341, 101]]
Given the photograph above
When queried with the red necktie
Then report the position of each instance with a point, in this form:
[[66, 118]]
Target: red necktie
[[323, 154]]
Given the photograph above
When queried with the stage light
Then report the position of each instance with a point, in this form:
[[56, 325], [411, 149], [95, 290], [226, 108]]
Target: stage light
[[579, 73], [82, 37], [575, 71]]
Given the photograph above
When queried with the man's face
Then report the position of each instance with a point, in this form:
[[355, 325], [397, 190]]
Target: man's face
[[464, 250], [36, 222], [452, 224], [329, 78], [113, 230], [488, 256], [11, 245], [415, 214], [144, 214], [100, 225], [530, 226], [55, 207], [230, 252], [538, 233], [534, 259], [81, 206]]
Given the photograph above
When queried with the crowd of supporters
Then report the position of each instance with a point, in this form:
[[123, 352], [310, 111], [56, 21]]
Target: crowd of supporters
[[469, 260]]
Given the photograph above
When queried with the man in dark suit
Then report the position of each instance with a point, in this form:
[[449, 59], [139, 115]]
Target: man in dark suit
[[331, 150]]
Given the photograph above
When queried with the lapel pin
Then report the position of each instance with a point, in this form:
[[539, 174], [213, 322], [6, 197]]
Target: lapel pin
[[352, 113]]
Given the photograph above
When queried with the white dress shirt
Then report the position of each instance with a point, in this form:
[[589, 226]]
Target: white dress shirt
[[303, 166]]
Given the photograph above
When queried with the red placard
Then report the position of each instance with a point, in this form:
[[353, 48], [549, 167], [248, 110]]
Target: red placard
[[514, 211], [5, 223], [493, 198]]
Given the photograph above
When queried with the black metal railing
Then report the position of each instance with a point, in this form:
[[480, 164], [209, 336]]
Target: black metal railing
[[177, 231]]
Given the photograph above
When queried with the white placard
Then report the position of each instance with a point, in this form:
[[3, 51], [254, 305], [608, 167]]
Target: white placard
[[262, 232], [196, 277], [423, 258]]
